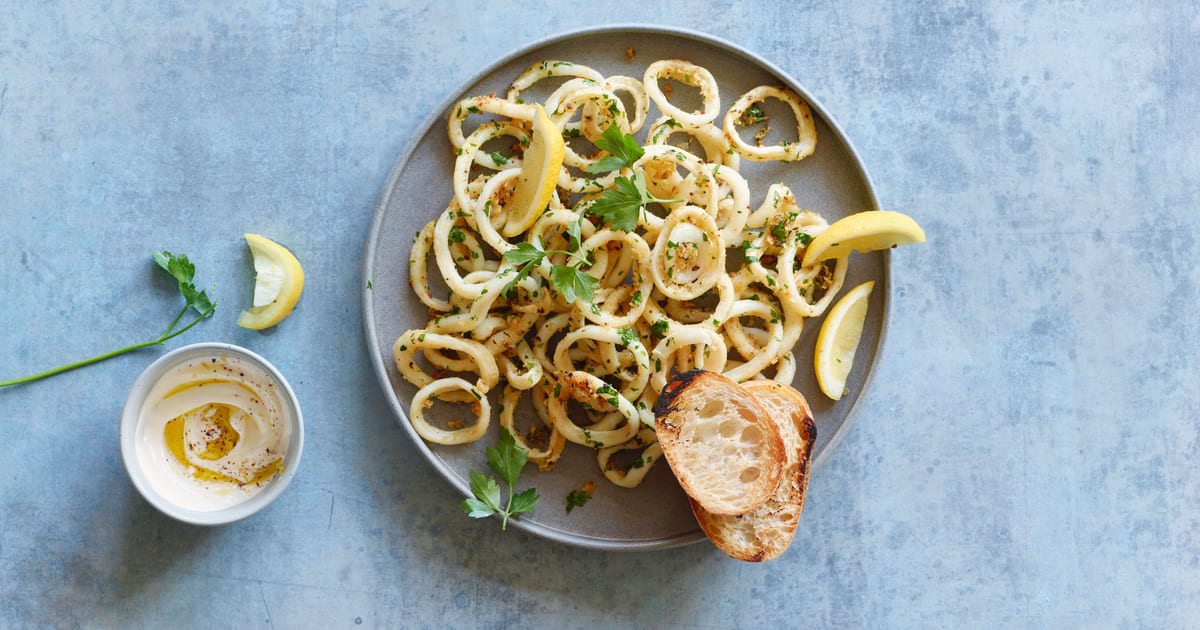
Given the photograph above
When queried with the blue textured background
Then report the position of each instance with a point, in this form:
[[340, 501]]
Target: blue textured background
[[1026, 458]]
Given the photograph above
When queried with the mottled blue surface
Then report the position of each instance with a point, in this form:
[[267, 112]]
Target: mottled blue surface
[[1027, 457]]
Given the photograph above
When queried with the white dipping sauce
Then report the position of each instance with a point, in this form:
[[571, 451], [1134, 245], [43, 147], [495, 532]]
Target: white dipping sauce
[[212, 432]]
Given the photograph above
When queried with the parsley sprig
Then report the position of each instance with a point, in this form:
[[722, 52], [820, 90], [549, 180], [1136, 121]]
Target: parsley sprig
[[568, 280], [621, 205], [183, 271], [506, 460]]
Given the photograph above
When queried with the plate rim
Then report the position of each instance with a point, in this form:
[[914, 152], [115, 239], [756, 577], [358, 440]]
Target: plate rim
[[387, 190]]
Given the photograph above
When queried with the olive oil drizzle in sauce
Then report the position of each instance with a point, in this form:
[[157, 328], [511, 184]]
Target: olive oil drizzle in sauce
[[215, 437]]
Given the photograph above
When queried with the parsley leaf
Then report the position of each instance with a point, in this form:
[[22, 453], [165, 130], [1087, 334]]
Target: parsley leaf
[[575, 232], [779, 231], [486, 491], [506, 460], [569, 280], [623, 151], [621, 205], [525, 257], [523, 502], [525, 253], [628, 336], [573, 284]]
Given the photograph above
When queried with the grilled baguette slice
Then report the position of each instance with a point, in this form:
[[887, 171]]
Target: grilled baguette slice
[[766, 532], [722, 446]]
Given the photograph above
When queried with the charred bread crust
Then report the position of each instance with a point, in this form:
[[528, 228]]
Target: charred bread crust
[[670, 392]]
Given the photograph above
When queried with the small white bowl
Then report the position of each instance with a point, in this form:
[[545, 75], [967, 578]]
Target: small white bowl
[[131, 413]]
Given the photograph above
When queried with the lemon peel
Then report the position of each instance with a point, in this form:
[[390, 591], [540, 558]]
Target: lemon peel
[[837, 341], [540, 167], [278, 283], [863, 232]]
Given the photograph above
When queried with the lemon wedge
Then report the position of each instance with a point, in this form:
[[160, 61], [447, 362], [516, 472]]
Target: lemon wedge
[[863, 232], [838, 340], [278, 282], [540, 167]]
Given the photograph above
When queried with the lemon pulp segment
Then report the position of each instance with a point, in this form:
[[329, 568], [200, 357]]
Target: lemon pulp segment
[[278, 282], [838, 340], [540, 167], [863, 232]]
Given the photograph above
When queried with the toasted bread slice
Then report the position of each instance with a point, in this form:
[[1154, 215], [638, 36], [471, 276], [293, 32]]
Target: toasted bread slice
[[767, 532], [721, 444]]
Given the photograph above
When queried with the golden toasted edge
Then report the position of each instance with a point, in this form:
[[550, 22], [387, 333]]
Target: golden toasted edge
[[767, 532]]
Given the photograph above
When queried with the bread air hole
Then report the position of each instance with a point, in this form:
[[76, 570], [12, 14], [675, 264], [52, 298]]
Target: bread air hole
[[698, 432], [752, 435], [712, 408], [729, 428], [749, 475]]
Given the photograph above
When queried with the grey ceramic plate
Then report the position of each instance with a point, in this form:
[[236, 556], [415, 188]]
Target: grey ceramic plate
[[655, 515]]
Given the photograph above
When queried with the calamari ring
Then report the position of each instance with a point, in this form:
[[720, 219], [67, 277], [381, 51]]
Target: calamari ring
[[788, 151], [418, 269], [659, 162], [712, 140], [447, 265], [405, 349], [437, 435], [609, 298], [637, 93], [646, 440], [686, 73], [546, 69], [684, 336], [611, 337], [485, 105], [545, 457], [586, 388], [733, 204], [689, 254], [767, 354]]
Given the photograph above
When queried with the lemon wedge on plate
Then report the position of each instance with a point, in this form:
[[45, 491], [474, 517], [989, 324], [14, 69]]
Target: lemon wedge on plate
[[863, 232], [540, 167], [278, 282], [838, 340]]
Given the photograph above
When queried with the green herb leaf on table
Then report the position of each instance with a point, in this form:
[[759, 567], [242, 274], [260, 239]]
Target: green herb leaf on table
[[487, 493], [183, 271], [505, 460]]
